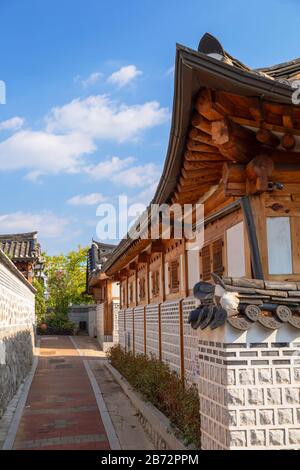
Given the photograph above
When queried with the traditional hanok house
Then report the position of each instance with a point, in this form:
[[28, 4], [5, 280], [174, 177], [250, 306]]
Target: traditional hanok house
[[25, 252], [105, 293], [234, 147]]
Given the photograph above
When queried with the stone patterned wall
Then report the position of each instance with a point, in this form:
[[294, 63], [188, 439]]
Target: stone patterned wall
[[92, 331], [139, 330], [152, 340], [249, 395], [116, 307], [129, 337], [122, 328], [191, 356], [17, 321], [170, 334], [249, 382], [79, 313], [100, 322]]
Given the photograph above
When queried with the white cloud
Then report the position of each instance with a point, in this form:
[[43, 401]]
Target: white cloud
[[145, 196], [86, 200], [46, 223], [90, 80], [109, 168], [123, 172], [42, 152], [100, 118], [138, 176], [72, 132], [124, 76], [12, 124]]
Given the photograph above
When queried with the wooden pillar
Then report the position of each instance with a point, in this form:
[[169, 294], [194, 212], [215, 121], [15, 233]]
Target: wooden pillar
[[254, 215], [185, 267], [159, 333], [145, 331], [127, 293], [163, 277], [147, 282], [133, 333], [181, 333], [136, 287]]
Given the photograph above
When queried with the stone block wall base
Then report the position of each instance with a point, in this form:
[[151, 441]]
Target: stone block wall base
[[15, 362], [249, 390]]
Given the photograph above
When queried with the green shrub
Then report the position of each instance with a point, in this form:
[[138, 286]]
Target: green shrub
[[163, 388], [59, 321]]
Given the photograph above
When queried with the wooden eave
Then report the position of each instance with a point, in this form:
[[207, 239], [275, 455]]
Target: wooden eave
[[218, 110]]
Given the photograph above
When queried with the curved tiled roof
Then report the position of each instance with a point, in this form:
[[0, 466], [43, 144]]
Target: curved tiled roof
[[243, 302], [98, 254], [21, 246], [210, 66]]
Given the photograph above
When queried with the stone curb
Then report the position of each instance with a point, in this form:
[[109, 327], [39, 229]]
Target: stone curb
[[156, 424]]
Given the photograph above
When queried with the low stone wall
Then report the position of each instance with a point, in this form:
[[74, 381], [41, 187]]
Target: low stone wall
[[248, 381], [249, 386], [17, 321], [162, 330], [78, 313]]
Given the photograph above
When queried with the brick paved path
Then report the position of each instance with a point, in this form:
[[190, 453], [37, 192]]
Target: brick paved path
[[61, 410]]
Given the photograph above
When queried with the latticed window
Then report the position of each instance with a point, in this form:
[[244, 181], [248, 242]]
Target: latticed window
[[174, 276], [124, 295], [155, 283], [131, 293], [217, 255], [212, 259], [206, 263], [142, 286]]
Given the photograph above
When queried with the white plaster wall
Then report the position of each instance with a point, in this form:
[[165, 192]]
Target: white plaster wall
[[193, 267], [150, 286], [236, 266], [92, 321], [100, 322], [116, 290], [17, 321], [167, 290]]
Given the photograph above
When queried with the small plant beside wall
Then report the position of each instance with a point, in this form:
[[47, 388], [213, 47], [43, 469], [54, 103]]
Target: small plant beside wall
[[55, 325], [164, 389]]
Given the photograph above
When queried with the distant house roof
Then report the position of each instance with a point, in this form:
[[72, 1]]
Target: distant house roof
[[98, 254], [21, 246], [286, 70]]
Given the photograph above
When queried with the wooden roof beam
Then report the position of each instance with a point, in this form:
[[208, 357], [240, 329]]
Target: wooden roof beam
[[204, 106], [272, 127], [124, 273], [201, 123], [288, 141], [195, 146], [266, 137], [200, 136], [259, 172], [234, 141], [189, 166], [133, 266], [197, 157], [157, 247], [143, 258]]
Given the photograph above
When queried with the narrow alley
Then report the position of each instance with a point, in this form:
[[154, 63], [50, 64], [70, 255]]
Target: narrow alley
[[73, 403]]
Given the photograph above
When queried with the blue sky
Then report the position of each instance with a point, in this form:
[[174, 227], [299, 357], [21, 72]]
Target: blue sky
[[89, 98]]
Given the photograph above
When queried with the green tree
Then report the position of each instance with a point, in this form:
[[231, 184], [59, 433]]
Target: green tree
[[67, 280], [40, 302]]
